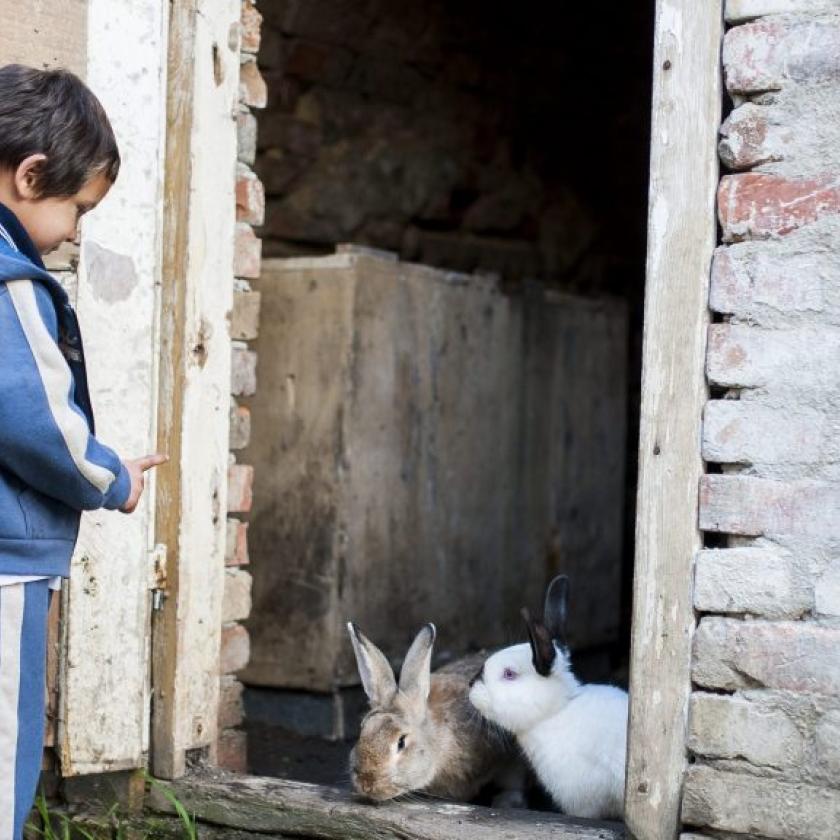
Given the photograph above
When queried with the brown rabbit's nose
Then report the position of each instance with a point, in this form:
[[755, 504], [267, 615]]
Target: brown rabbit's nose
[[478, 676], [365, 783]]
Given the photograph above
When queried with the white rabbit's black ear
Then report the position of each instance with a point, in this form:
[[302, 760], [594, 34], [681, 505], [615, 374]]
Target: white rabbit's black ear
[[416, 674], [374, 669], [543, 652], [556, 608]]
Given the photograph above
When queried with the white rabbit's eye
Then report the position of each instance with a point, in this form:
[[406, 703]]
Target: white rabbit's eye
[[509, 674], [401, 743]]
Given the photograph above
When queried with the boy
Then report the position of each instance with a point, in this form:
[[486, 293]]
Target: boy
[[58, 159]]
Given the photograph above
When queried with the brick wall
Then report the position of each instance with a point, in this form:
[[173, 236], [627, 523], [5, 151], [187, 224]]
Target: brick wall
[[244, 321], [765, 716]]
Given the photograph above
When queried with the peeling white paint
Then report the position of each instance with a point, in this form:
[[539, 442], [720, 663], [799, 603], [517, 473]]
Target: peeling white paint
[[104, 691]]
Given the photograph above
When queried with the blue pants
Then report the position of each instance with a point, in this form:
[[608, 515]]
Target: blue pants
[[23, 654]]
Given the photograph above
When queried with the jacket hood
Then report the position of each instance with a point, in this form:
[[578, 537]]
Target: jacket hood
[[17, 265]]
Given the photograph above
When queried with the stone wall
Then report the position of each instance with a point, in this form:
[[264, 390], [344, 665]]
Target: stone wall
[[244, 322], [452, 135], [764, 728]]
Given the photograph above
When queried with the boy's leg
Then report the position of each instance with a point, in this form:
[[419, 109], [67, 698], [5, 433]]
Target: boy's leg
[[23, 648]]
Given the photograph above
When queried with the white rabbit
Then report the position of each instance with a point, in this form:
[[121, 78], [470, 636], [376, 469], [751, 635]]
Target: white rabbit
[[574, 735]]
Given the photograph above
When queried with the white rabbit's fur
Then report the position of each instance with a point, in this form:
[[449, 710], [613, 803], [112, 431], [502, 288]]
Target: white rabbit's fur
[[574, 735]]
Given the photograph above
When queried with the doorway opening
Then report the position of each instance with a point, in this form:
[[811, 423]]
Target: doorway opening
[[448, 420]]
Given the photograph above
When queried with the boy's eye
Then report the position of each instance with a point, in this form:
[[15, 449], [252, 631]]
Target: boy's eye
[[509, 674], [401, 743]]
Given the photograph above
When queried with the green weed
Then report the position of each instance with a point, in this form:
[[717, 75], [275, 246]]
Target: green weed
[[56, 825], [187, 820]]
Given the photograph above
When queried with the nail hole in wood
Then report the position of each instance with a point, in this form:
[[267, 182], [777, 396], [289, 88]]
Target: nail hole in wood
[[218, 69]]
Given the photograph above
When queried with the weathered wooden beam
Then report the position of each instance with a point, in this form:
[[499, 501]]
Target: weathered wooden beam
[[278, 806], [681, 239], [194, 376]]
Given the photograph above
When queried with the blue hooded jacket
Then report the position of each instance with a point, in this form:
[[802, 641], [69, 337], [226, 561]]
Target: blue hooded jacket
[[51, 465]]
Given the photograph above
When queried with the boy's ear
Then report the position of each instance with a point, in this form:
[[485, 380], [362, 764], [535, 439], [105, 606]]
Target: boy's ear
[[26, 176]]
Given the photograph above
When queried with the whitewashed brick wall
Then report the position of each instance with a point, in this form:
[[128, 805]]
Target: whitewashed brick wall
[[764, 730]]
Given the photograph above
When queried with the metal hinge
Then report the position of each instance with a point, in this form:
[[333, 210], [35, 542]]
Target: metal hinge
[[157, 575]]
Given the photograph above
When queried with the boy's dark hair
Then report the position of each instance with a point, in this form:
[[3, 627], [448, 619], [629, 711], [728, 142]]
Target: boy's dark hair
[[53, 112]]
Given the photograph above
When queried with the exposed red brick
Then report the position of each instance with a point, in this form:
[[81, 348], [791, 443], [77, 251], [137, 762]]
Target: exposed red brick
[[240, 483], [236, 551], [251, 24], [250, 198], [232, 751], [235, 649], [758, 206], [252, 88], [247, 254]]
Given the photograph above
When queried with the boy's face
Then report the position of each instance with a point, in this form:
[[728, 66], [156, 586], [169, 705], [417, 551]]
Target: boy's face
[[51, 221]]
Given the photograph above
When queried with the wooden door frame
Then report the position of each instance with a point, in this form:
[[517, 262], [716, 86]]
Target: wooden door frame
[[682, 231], [194, 377]]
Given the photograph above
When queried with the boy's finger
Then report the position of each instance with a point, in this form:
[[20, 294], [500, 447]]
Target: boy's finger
[[149, 461]]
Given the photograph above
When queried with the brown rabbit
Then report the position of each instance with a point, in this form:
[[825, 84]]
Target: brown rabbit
[[422, 734]]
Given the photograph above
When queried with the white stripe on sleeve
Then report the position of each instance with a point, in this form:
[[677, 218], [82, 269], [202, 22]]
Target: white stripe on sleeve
[[56, 376]]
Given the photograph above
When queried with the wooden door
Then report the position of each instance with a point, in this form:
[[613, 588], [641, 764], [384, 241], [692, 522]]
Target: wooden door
[[104, 686]]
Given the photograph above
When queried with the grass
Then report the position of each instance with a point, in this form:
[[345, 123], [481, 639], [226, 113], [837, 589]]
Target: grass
[[187, 820], [57, 825]]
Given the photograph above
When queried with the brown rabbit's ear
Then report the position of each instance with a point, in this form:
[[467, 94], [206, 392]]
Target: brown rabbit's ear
[[543, 652], [374, 669], [416, 673]]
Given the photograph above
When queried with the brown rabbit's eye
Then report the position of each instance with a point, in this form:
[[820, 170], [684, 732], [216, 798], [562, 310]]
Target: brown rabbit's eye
[[401, 743]]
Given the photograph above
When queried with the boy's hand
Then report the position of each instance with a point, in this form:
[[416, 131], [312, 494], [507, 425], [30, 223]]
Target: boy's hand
[[136, 468]]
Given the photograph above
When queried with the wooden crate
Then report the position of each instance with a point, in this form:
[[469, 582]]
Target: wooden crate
[[427, 449]]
